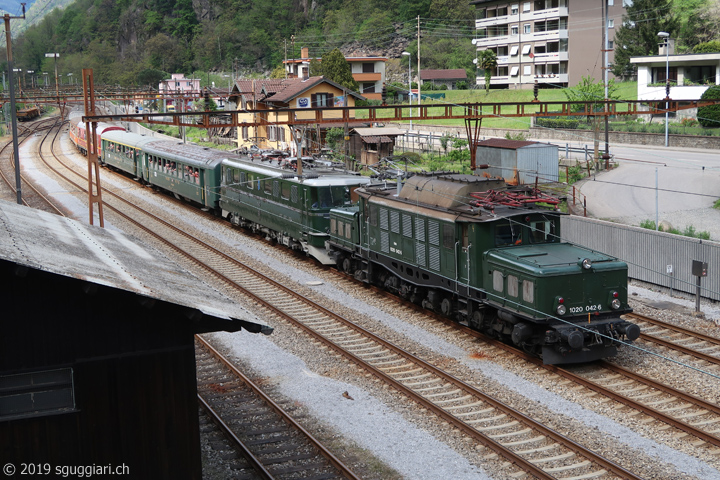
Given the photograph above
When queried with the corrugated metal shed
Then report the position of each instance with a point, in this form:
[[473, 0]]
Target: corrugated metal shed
[[519, 162]]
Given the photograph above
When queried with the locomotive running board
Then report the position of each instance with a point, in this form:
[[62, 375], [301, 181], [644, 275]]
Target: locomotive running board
[[552, 357]]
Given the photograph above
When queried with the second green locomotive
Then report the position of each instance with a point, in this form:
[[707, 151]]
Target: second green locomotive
[[468, 248]]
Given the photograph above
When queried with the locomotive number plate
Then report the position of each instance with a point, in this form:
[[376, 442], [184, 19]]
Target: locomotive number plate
[[586, 308]]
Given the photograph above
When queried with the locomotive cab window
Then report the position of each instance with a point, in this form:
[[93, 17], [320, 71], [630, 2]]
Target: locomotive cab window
[[542, 231], [508, 234]]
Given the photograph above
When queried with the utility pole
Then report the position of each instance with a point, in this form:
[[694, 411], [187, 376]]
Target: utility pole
[[13, 113], [418, 69], [94, 190], [605, 74], [57, 87]]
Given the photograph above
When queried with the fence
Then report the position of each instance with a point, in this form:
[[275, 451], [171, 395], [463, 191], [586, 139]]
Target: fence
[[655, 257]]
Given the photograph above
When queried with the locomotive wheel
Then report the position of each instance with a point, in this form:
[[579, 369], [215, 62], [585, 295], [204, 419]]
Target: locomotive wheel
[[347, 265], [446, 307], [477, 318]]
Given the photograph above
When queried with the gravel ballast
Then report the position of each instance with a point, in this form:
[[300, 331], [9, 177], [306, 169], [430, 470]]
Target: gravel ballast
[[385, 425]]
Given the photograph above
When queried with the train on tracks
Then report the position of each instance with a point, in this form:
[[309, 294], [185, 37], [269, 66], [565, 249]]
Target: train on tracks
[[468, 247], [28, 113]]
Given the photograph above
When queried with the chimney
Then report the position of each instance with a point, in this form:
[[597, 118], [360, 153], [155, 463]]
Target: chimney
[[671, 47], [304, 52]]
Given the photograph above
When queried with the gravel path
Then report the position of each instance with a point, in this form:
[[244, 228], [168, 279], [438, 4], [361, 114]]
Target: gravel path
[[394, 429]]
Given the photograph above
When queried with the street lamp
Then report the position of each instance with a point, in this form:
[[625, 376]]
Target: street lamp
[[32, 79], [69, 78], [666, 36], [57, 89], [409, 85]]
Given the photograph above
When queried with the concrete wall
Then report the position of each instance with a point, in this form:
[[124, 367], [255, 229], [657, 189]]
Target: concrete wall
[[649, 253]]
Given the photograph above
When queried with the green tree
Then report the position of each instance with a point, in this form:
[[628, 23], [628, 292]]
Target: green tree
[[151, 76], [338, 70], [487, 61], [315, 67], [709, 116], [587, 90], [638, 35], [707, 47]]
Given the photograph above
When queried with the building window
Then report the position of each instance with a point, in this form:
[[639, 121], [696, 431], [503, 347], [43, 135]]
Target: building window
[[514, 50], [514, 9], [35, 394], [611, 44], [611, 3], [368, 87], [368, 68], [514, 30], [322, 99], [658, 74], [514, 71], [611, 23], [700, 74], [526, 7], [527, 70], [245, 132], [527, 28], [526, 49]]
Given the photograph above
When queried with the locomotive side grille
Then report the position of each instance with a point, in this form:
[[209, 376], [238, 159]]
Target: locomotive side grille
[[294, 194], [395, 221], [276, 188], [407, 225], [383, 219], [435, 258], [420, 253], [420, 229], [384, 242], [434, 233]]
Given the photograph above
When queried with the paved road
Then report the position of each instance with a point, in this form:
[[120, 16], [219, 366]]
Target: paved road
[[688, 183]]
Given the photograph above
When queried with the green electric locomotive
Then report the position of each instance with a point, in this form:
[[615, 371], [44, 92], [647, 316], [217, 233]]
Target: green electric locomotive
[[471, 249]]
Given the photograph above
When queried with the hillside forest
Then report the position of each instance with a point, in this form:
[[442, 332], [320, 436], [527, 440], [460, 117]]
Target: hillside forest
[[138, 42]]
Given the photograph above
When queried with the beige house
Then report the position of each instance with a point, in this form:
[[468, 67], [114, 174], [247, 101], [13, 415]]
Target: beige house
[[556, 42], [369, 72], [285, 100]]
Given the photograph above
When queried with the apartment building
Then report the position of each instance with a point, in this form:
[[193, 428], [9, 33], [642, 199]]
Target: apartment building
[[556, 42], [369, 72]]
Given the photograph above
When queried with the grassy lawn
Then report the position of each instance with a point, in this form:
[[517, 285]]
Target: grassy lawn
[[626, 90]]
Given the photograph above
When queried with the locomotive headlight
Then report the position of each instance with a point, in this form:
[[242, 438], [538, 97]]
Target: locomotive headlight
[[615, 303], [586, 263], [561, 308]]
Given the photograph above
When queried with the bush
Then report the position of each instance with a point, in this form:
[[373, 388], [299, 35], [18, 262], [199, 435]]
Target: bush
[[712, 46], [709, 116], [562, 123]]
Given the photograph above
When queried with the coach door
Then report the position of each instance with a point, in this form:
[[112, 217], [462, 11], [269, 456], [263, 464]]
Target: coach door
[[463, 252]]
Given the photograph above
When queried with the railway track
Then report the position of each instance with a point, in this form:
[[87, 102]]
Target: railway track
[[527, 445], [689, 342], [688, 413], [271, 443], [31, 196]]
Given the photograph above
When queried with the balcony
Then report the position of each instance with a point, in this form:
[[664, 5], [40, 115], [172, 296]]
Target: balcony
[[367, 77], [489, 41], [548, 14], [551, 57], [501, 20], [546, 36], [503, 59], [547, 78]]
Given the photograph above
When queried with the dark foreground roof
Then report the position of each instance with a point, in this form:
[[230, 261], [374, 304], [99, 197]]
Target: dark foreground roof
[[104, 256]]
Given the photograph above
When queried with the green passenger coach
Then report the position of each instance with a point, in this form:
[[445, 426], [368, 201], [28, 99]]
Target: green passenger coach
[[290, 209]]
